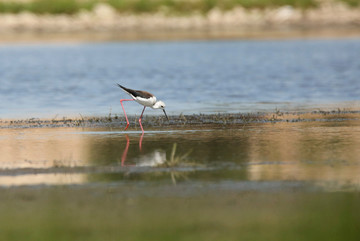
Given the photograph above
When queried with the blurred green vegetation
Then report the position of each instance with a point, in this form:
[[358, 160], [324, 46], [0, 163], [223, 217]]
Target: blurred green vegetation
[[351, 3], [57, 7], [151, 6], [137, 212], [148, 6], [12, 7], [45, 6]]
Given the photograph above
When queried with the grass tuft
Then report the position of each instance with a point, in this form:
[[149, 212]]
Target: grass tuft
[[175, 160]]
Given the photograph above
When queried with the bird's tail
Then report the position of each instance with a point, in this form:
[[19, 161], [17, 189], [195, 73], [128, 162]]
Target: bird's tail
[[122, 87], [131, 92]]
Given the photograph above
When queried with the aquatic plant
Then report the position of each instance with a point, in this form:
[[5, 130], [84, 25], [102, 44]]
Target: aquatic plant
[[176, 160]]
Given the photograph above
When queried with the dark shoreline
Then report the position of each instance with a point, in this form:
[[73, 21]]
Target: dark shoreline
[[183, 121]]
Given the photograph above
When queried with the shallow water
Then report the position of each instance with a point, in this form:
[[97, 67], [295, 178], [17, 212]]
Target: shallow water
[[191, 77], [321, 155]]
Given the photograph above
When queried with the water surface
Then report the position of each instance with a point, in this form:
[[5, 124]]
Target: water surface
[[51, 80], [322, 154]]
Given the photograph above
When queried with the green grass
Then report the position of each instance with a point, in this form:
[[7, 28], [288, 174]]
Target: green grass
[[148, 6], [176, 160], [123, 213]]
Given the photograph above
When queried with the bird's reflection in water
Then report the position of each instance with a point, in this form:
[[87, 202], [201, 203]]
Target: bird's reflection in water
[[154, 158]]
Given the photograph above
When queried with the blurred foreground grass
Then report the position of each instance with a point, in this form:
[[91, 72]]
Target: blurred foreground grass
[[131, 213], [151, 6]]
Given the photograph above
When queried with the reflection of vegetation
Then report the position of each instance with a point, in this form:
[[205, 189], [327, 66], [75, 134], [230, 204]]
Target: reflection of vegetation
[[178, 175], [150, 6]]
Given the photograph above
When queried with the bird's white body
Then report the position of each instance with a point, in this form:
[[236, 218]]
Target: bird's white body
[[144, 98], [148, 102]]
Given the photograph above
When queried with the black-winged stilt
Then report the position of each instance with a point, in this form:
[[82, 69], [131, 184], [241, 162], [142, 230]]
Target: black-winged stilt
[[143, 98]]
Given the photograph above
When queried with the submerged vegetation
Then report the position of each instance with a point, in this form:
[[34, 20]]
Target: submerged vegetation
[[151, 6]]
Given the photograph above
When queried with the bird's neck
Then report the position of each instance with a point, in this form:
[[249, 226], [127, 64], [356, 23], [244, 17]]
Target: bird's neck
[[156, 105]]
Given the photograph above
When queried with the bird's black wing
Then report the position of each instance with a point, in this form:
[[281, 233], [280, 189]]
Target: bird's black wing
[[136, 93]]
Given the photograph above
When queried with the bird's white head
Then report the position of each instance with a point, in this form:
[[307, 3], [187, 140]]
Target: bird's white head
[[160, 105]]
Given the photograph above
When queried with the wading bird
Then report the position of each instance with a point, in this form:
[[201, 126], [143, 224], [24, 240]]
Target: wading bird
[[143, 98]]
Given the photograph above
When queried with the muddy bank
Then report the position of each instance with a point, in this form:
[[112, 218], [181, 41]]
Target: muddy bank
[[182, 121]]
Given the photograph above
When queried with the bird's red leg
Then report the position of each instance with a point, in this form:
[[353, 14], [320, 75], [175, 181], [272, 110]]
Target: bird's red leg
[[127, 121], [140, 119]]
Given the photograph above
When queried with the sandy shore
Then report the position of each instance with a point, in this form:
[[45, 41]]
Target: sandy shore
[[331, 18]]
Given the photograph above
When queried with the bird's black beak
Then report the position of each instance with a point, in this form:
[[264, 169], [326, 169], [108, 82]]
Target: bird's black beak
[[166, 114]]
